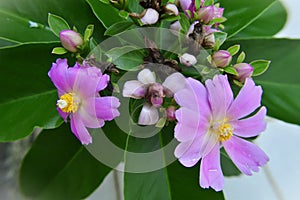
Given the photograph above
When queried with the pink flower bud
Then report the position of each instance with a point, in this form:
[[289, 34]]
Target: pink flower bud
[[155, 94], [70, 40], [244, 71], [151, 17], [171, 9], [175, 26], [221, 58], [170, 113], [188, 59], [206, 13], [185, 4]]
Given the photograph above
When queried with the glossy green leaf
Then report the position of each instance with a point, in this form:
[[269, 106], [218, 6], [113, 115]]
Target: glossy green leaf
[[220, 38], [59, 50], [57, 24], [4, 42], [260, 66], [28, 96], [59, 167], [106, 13], [281, 83], [241, 14], [241, 57], [15, 16], [172, 182], [230, 70], [234, 49], [118, 28], [268, 24]]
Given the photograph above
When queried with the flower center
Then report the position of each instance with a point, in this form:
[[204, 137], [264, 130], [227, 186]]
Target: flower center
[[224, 132], [68, 103]]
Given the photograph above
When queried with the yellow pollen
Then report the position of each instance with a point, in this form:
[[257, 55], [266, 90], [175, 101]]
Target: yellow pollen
[[224, 132], [68, 103]]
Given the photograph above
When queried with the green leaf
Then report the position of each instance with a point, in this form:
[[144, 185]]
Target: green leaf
[[260, 66], [59, 167], [220, 38], [126, 58], [4, 42], [118, 28], [172, 182], [57, 24], [15, 16], [268, 24], [230, 70], [241, 57], [281, 83], [184, 23], [106, 13], [28, 96], [59, 51], [241, 14], [234, 49], [88, 32]]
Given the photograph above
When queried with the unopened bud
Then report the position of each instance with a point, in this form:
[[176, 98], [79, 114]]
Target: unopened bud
[[151, 17], [206, 13], [170, 113], [188, 59], [185, 4], [171, 9], [222, 58], [209, 41], [244, 71], [70, 40], [155, 94]]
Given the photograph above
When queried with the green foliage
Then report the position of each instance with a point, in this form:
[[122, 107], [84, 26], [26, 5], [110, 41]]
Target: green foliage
[[59, 167], [57, 24], [118, 28], [260, 66]]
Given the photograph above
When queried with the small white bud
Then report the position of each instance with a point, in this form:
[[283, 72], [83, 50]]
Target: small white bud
[[188, 59], [151, 17]]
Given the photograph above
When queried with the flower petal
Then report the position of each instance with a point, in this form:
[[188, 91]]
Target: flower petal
[[220, 95], [134, 89], [247, 100], [146, 76], [210, 170], [106, 107], [245, 155], [59, 75], [189, 124], [174, 82], [103, 82], [251, 126], [149, 115], [79, 129], [188, 153], [90, 121], [62, 114]]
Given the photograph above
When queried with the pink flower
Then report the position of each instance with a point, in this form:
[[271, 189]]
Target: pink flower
[[78, 90], [146, 87], [244, 71], [221, 58], [210, 118], [70, 40]]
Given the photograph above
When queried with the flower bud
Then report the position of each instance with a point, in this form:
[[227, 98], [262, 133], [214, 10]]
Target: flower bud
[[206, 13], [151, 17], [244, 71], [209, 41], [70, 40], [222, 58], [155, 94], [171, 9], [170, 113], [185, 4], [188, 59]]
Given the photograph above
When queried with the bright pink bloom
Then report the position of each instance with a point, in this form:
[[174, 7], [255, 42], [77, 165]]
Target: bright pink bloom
[[210, 118], [78, 90]]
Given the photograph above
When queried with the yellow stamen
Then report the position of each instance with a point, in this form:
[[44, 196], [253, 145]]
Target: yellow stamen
[[68, 102], [224, 132]]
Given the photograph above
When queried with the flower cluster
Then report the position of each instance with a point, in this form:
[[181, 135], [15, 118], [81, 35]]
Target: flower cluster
[[205, 113]]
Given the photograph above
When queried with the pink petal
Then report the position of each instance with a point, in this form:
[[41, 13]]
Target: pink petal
[[59, 75], [247, 101], [79, 129], [174, 82], [106, 107], [188, 152], [62, 114], [220, 96], [103, 82], [245, 155], [134, 89], [210, 170], [90, 121], [149, 115], [251, 126], [189, 124], [146, 76]]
